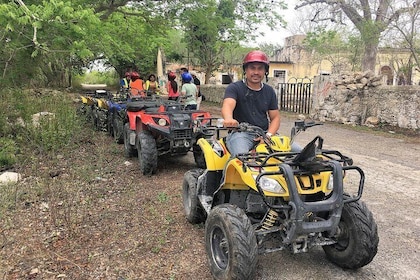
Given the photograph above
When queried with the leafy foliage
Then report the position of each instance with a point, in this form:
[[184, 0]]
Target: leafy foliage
[[50, 133], [212, 27], [370, 18], [45, 42]]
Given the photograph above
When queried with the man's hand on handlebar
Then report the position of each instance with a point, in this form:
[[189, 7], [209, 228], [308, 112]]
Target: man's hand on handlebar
[[230, 123]]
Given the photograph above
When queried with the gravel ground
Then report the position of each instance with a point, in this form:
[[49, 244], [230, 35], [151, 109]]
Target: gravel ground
[[90, 214]]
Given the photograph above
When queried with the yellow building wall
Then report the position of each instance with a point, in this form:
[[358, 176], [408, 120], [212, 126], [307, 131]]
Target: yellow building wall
[[300, 64]]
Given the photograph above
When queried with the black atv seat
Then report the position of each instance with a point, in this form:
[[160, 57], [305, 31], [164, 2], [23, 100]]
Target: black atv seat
[[141, 105], [152, 110]]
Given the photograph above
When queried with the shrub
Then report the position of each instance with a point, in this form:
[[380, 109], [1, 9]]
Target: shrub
[[51, 133]]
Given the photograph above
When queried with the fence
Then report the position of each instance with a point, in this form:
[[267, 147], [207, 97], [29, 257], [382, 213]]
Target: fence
[[295, 97]]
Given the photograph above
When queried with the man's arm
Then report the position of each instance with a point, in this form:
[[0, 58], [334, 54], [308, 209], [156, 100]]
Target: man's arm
[[228, 106], [274, 125]]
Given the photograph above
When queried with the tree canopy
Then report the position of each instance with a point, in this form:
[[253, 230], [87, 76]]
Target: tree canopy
[[44, 42], [371, 18]]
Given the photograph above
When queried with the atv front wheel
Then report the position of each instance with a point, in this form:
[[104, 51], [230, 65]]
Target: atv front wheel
[[193, 210], [147, 153], [357, 237], [129, 150], [231, 244]]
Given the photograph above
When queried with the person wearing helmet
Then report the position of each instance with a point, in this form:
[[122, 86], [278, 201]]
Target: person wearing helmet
[[125, 82], [189, 91], [197, 83], [172, 87], [251, 101], [137, 87]]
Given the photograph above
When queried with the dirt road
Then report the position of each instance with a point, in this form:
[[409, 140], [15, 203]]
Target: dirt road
[[99, 218], [392, 168]]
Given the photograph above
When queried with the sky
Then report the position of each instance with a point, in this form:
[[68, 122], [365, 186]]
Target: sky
[[277, 36]]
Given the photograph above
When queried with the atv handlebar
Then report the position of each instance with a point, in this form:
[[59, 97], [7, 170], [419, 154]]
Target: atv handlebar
[[301, 126]]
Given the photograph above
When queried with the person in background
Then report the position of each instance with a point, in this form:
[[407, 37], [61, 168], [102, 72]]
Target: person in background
[[125, 82], [184, 70], [197, 84], [172, 87], [137, 85], [250, 101], [151, 84], [189, 91]]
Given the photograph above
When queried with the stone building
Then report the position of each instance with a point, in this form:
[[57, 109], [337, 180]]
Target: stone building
[[293, 62]]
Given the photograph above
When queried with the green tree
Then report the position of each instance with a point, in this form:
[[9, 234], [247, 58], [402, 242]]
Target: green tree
[[212, 27], [370, 18], [336, 47], [43, 42]]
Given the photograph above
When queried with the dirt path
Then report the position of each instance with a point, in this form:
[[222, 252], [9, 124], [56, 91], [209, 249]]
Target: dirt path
[[392, 168], [101, 219]]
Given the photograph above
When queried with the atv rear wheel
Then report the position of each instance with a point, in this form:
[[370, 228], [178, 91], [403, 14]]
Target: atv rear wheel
[[193, 210], [231, 244], [147, 153], [200, 161], [95, 119], [357, 237], [118, 128], [129, 150], [110, 128]]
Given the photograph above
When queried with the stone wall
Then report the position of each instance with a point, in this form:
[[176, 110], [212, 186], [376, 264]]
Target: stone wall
[[213, 93], [351, 101], [355, 99]]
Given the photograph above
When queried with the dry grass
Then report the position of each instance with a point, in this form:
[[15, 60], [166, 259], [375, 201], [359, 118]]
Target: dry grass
[[86, 214]]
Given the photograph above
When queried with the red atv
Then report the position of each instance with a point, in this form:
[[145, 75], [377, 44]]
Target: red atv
[[160, 127]]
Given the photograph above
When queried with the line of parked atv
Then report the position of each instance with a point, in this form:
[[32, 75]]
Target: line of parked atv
[[149, 127]]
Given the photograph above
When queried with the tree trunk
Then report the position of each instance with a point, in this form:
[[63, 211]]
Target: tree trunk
[[208, 74], [369, 57]]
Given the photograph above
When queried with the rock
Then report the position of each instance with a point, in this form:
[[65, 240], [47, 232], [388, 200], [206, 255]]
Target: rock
[[376, 83], [372, 120], [10, 177], [37, 117], [351, 87]]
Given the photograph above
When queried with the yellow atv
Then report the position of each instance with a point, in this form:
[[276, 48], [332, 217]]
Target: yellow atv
[[272, 199]]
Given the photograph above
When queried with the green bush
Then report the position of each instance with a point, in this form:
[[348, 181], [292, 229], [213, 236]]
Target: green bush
[[110, 78], [8, 151], [52, 133]]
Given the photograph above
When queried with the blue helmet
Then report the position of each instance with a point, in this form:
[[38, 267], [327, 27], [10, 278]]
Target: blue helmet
[[186, 77]]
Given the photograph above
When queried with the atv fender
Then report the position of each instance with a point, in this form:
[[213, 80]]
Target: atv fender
[[214, 161], [239, 178], [103, 104]]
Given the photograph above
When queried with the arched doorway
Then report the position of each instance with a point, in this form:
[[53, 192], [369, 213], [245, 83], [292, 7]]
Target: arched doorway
[[386, 72]]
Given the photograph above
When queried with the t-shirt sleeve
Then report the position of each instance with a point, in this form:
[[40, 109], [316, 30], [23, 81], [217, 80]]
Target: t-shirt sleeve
[[231, 92], [274, 104]]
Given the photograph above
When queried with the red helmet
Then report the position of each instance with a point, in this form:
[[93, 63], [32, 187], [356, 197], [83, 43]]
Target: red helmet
[[256, 56], [135, 75], [171, 75]]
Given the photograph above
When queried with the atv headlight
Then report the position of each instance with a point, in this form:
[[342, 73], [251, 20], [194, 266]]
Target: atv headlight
[[271, 185], [162, 122], [330, 185]]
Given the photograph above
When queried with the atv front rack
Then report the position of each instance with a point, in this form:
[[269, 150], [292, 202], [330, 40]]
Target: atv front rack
[[299, 209]]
